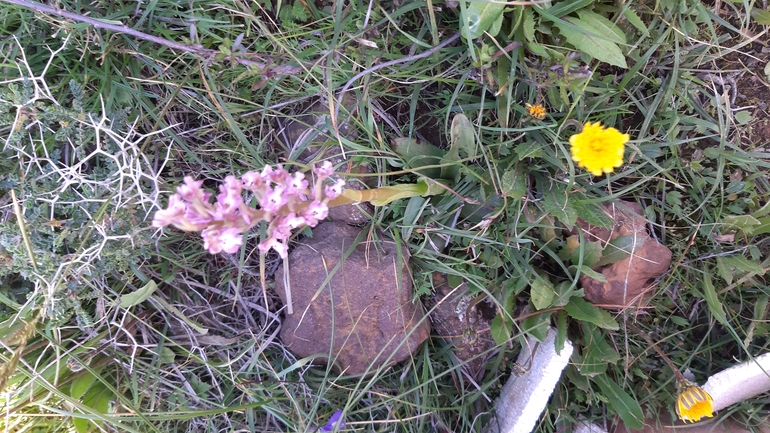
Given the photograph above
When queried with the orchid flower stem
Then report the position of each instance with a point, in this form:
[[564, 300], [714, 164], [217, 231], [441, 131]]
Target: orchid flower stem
[[287, 286]]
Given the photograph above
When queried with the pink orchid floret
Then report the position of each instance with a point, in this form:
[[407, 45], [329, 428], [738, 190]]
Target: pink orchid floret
[[315, 212], [284, 200], [324, 170], [274, 200], [191, 190], [334, 190], [273, 243], [216, 240]]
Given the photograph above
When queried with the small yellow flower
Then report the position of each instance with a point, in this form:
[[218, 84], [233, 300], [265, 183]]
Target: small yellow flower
[[598, 149], [693, 403], [536, 111]]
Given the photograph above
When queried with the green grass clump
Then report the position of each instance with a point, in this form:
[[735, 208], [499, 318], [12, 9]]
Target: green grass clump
[[107, 324]]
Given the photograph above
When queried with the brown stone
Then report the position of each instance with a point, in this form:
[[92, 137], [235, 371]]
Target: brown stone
[[462, 323], [628, 280], [365, 311]]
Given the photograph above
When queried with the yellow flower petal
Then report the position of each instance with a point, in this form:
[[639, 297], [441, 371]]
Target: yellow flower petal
[[536, 111], [693, 403], [598, 149]]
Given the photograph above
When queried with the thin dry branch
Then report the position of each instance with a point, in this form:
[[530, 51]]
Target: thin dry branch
[[246, 58]]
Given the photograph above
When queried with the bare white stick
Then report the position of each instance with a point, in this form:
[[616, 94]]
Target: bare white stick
[[524, 397], [740, 382]]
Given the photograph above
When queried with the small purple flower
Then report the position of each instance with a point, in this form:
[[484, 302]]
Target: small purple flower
[[296, 184], [276, 175], [279, 229], [173, 213], [231, 240], [324, 170], [191, 190], [335, 190], [274, 200], [275, 244], [251, 216], [194, 218], [230, 199], [336, 421], [212, 239], [315, 212], [294, 221], [252, 181]]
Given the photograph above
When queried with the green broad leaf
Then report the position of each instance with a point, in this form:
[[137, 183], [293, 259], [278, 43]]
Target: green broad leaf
[[585, 311], [743, 264], [592, 253], [530, 149], [564, 292], [603, 26], [566, 7], [743, 117], [98, 399], [621, 248], [417, 154], [140, 295], [537, 325], [635, 21], [763, 227], [462, 137], [761, 17], [81, 384], [625, 406], [679, 320], [167, 355], [480, 16], [747, 223], [528, 26], [725, 271], [497, 24], [598, 276], [764, 210], [501, 330], [592, 213], [541, 292], [597, 353], [513, 184], [556, 202], [539, 50], [712, 300], [573, 375], [503, 73], [586, 39]]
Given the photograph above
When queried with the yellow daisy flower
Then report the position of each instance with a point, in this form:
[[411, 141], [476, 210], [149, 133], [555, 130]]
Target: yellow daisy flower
[[693, 403], [536, 111], [598, 149]]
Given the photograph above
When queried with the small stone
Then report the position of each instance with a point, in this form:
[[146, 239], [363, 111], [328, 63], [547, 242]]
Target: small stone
[[463, 324], [628, 280], [365, 311]]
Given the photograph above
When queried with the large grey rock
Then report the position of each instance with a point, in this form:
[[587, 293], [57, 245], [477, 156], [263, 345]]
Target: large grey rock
[[362, 310]]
